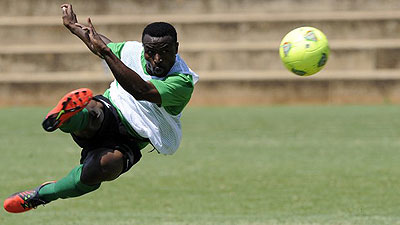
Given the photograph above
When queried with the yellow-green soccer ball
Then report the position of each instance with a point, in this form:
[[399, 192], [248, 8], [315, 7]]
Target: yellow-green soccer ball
[[304, 51]]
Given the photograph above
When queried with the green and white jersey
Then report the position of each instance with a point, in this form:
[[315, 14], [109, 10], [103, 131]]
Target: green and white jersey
[[160, 124]]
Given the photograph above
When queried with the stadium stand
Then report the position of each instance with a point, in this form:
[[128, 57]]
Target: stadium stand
[[232, 44]]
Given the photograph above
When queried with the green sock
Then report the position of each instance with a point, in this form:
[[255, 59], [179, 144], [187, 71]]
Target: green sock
[[68, 187], [77, 122]]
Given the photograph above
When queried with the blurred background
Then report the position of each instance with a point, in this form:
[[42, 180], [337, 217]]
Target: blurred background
[[232, 44]]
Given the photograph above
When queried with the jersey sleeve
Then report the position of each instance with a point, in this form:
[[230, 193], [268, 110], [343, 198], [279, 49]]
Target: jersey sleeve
[[175, 91], [116, 48]]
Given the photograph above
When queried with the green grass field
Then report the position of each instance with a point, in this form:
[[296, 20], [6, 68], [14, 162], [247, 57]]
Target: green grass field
[[281, 165]]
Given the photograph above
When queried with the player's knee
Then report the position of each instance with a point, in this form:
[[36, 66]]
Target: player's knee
[[97, 177], [111, 165], [102, 165]]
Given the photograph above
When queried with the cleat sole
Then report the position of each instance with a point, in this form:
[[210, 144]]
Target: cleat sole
[[68, 106]]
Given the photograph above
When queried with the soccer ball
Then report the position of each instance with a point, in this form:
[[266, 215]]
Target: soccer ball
[[304, 51]]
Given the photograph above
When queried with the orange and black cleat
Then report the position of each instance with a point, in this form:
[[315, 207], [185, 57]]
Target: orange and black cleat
[[68, 106], [25, 200]]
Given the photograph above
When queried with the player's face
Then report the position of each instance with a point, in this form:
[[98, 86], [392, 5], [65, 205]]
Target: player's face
[[160, 53]]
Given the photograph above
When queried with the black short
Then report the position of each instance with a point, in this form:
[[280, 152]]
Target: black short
[[113, 135]]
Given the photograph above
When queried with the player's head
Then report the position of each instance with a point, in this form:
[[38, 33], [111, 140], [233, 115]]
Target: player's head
[[160, 48]]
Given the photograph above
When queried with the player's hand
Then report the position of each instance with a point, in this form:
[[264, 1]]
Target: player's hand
[[96, 44], [69, 17]]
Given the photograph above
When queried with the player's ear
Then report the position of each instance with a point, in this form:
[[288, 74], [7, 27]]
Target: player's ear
[[177, 46]]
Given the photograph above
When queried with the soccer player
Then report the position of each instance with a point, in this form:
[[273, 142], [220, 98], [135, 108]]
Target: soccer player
[[142, 106]]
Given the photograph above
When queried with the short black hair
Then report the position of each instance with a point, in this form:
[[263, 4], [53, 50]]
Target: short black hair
[[160, 29]]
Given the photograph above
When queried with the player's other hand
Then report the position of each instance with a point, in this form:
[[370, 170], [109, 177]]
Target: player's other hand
[[69, 17], [96, 44]]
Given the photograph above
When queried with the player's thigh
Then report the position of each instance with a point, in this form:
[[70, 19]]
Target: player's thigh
[[95, 120], [102, 164]]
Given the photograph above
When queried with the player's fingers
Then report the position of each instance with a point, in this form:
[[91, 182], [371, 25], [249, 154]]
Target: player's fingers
[[90, 32], [80, 25], [69, 10], [89, 21], [64, 8], [87, 29], [91, 25]]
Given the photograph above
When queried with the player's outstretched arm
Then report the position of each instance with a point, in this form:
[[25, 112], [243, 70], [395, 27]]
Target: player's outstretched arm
[[70, 21], [126, 77]]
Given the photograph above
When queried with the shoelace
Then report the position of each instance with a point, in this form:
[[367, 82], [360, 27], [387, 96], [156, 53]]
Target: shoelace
[[29, 199]]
